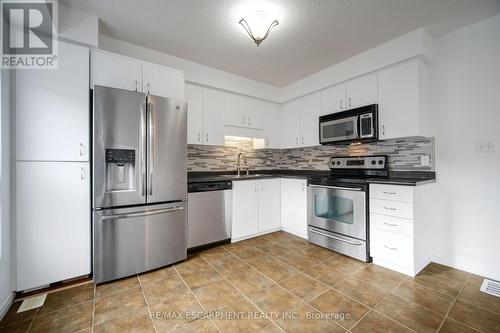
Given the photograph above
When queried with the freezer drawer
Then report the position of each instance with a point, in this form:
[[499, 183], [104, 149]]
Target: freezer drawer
[[128, 241]]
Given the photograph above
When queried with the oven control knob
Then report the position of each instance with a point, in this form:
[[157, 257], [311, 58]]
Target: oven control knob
[[374, 162], [338, 162], [380, 162]]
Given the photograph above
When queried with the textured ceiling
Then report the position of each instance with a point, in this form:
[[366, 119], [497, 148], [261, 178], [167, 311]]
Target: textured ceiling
[[312, 35]]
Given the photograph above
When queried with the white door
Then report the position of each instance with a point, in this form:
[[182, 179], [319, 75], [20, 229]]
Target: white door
[[294, 206], [269, 204], [163, 81], [213, 117], [399, 101], [290, 125], [53, 222], [333, 99], [272, 126], [309, 120], [52, 109], [234, 112], [115, 71], [194, 98], [255, 116], [362, 91], [245, 209]]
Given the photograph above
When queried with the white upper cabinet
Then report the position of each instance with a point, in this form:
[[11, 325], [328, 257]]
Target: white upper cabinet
[[114, 71], [300, 122], [194, 98], [309, 120], [163, 81], [403, 110], [362, 91], [235, 109], [52, 109], [213, 117], [272, 128], [290, 125], [242, 111], [120, 72], [333, 99]]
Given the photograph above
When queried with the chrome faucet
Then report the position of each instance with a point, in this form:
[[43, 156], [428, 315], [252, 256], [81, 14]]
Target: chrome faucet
[[238, 166]]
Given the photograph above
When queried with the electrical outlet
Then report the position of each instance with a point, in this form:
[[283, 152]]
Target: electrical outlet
[[485, 147], [425, 160]]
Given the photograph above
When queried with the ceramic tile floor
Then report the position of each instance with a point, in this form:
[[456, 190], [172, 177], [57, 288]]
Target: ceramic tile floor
[[272, 283]]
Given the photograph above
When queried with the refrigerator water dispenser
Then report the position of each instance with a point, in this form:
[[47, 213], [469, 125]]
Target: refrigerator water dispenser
[[120, 169]]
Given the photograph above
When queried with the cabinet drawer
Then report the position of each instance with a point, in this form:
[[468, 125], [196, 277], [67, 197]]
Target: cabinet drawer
[[392, 208], [392, 224], [390, 247], [391, 192]]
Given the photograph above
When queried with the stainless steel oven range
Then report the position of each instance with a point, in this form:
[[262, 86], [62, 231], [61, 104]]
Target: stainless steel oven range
[[338, 205]]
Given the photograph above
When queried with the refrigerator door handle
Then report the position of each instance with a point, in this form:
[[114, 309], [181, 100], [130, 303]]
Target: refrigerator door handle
[[143, 149], [151, 150], [149, 213]]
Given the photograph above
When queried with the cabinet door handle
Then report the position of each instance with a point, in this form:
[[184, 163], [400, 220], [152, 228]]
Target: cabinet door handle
[[383, 130], [390, 224], [390, 208], [243, 120], [82, 149], [267, 143], [206, 137], [82, 173], [389, 192], [249, 121], [148, 88], [302, 140], [136, 85], [391, 248], [297, 141], [350, 102], [199, 137], [341, 104]]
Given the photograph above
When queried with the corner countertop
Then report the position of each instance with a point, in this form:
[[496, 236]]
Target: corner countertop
[[406, 178]]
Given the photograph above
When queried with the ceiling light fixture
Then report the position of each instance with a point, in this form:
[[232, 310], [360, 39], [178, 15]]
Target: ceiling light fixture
[[261, 23]]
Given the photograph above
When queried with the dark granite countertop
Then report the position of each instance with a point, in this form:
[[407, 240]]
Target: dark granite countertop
[[408, 178]]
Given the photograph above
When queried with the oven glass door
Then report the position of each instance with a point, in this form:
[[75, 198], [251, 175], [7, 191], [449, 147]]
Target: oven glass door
[[339, 129], [339, 210]]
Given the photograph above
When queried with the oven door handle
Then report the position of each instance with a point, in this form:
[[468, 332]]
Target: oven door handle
[[337, 187], [333, 237]]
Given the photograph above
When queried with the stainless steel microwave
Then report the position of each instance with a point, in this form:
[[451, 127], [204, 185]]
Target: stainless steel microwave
[[355, 125]]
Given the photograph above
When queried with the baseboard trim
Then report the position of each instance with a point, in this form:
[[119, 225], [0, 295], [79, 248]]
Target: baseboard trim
[[6, 305], [301, 235]]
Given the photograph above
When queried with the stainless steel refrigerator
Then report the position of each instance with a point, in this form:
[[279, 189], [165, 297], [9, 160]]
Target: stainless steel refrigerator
[[139, 182]]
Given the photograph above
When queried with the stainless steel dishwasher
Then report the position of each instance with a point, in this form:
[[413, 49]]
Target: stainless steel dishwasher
[[209, 212]]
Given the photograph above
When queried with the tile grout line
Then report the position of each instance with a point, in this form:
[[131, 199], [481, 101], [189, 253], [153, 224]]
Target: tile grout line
[[300, 272], [244, 296], [146, 301], [347, 277], [196, 298], [452, 304]]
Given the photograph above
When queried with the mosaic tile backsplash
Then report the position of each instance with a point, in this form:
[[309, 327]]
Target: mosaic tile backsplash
[[404, 155]]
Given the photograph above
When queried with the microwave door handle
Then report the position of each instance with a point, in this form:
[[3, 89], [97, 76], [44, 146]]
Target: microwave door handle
[[356, 127]]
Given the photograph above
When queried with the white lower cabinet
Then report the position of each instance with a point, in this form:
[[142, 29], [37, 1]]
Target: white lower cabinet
[[256, 208], [400, 222], [52, 222], [294, 206]]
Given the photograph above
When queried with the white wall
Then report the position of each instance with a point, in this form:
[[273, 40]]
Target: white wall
[[466, 87], [6, 285], [194, 72]]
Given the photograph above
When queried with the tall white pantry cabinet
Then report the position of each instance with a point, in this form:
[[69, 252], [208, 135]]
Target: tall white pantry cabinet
[[52, 170]]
